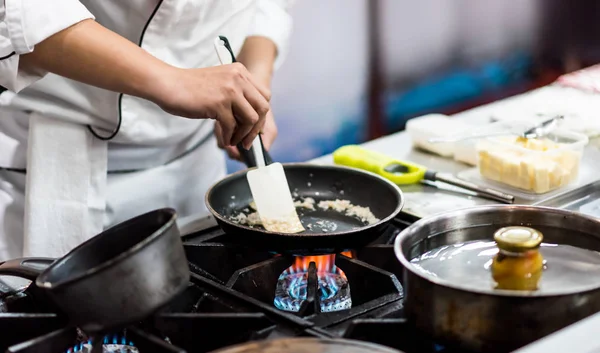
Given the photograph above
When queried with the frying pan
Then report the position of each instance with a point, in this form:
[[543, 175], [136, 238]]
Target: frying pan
[[116, 278], [230, 196]]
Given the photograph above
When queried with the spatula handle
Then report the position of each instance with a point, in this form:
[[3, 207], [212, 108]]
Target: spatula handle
[[248, 155]]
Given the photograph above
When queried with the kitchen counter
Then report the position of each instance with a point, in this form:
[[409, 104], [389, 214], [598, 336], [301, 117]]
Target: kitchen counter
[[424, 200], [581, 337]]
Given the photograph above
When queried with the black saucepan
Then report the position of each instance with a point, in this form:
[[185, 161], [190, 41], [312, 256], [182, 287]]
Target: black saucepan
[[116, 278], [231, 195]]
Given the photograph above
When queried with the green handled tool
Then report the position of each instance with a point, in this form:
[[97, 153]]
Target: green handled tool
[[404, 173]]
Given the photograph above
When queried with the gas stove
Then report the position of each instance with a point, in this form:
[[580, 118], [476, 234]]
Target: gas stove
[[238, 295]]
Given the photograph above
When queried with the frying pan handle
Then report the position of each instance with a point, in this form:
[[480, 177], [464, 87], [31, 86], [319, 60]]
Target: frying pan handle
[[27, 267], [248, 155]]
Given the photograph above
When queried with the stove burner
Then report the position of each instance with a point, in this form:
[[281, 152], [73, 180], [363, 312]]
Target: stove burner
[[294, 285], [110, 344], [232, 290]]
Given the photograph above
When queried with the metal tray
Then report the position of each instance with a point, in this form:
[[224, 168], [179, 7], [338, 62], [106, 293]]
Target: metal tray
[[585, 200]]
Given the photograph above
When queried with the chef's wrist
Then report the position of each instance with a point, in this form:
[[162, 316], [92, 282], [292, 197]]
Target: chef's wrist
[[161, 84], [258, 56], [262, 77], [262, 72]]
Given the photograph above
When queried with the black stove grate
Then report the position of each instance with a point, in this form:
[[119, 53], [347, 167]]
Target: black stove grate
[[230, 301]]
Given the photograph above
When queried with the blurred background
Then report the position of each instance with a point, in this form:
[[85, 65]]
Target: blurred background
[[359, 69]]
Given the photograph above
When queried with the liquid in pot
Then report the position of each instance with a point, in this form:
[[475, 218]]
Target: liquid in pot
[[469, 265]]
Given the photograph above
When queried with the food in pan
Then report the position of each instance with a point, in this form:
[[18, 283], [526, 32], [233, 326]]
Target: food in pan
[[363, 214], [536, 165], [251, 219], [308, 203], [288, 225], [344, 206]]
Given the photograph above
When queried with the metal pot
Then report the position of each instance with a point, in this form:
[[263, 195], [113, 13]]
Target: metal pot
[[492, 321]]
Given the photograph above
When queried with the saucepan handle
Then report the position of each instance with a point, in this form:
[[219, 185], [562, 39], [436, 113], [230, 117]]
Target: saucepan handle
[[248, 155], [29, 267]]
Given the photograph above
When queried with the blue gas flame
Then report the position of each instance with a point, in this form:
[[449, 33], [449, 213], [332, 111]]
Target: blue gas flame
[[109, 339]]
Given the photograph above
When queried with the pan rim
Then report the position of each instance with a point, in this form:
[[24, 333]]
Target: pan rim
[[385, 220], [50, 285]]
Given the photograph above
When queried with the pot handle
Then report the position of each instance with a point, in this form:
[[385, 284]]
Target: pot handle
[[248, 155], [27, 267]]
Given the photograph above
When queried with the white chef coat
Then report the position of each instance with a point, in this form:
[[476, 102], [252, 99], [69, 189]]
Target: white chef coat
[[71, 190]]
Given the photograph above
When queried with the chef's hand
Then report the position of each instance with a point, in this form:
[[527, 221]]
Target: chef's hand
[[268, 136], [227, 93], [258, 56]]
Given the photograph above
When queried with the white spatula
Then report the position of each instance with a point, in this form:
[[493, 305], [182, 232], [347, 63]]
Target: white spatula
[[272, 195], [268, 184]]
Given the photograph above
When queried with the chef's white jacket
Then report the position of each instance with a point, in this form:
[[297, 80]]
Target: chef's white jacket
[[77, 184]]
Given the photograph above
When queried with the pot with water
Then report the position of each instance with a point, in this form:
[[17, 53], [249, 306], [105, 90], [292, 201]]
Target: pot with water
[[495, 278]]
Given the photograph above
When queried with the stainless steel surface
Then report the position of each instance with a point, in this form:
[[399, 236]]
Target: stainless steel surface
[[423, 200], [581, 337], [482, 191], [585, 200], [499, 321], [543, 128]]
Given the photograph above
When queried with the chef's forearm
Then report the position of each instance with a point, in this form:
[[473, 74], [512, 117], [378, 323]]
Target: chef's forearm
[[258, 55], [92, 54]]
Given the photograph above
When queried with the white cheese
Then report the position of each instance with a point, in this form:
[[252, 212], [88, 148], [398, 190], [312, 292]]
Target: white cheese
[[466, 152], [423, 128]]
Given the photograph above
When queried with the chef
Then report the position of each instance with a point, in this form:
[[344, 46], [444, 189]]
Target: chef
[[113, 108]]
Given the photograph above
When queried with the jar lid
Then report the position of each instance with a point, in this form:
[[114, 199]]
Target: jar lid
[[518, 239]]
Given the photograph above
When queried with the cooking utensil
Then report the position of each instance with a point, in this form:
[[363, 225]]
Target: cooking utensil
[[272, 196], [333, 231], [402, 172], [268, 183], [493, 321], [543, 128], [537, 131], [116, 278]]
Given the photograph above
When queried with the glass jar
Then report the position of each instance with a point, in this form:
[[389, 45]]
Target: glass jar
[[518, 264]]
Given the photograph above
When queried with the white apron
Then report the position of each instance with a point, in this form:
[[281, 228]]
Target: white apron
[[66, 195]]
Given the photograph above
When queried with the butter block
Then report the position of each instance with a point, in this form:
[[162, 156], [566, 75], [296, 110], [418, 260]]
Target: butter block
[[534, 165]]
